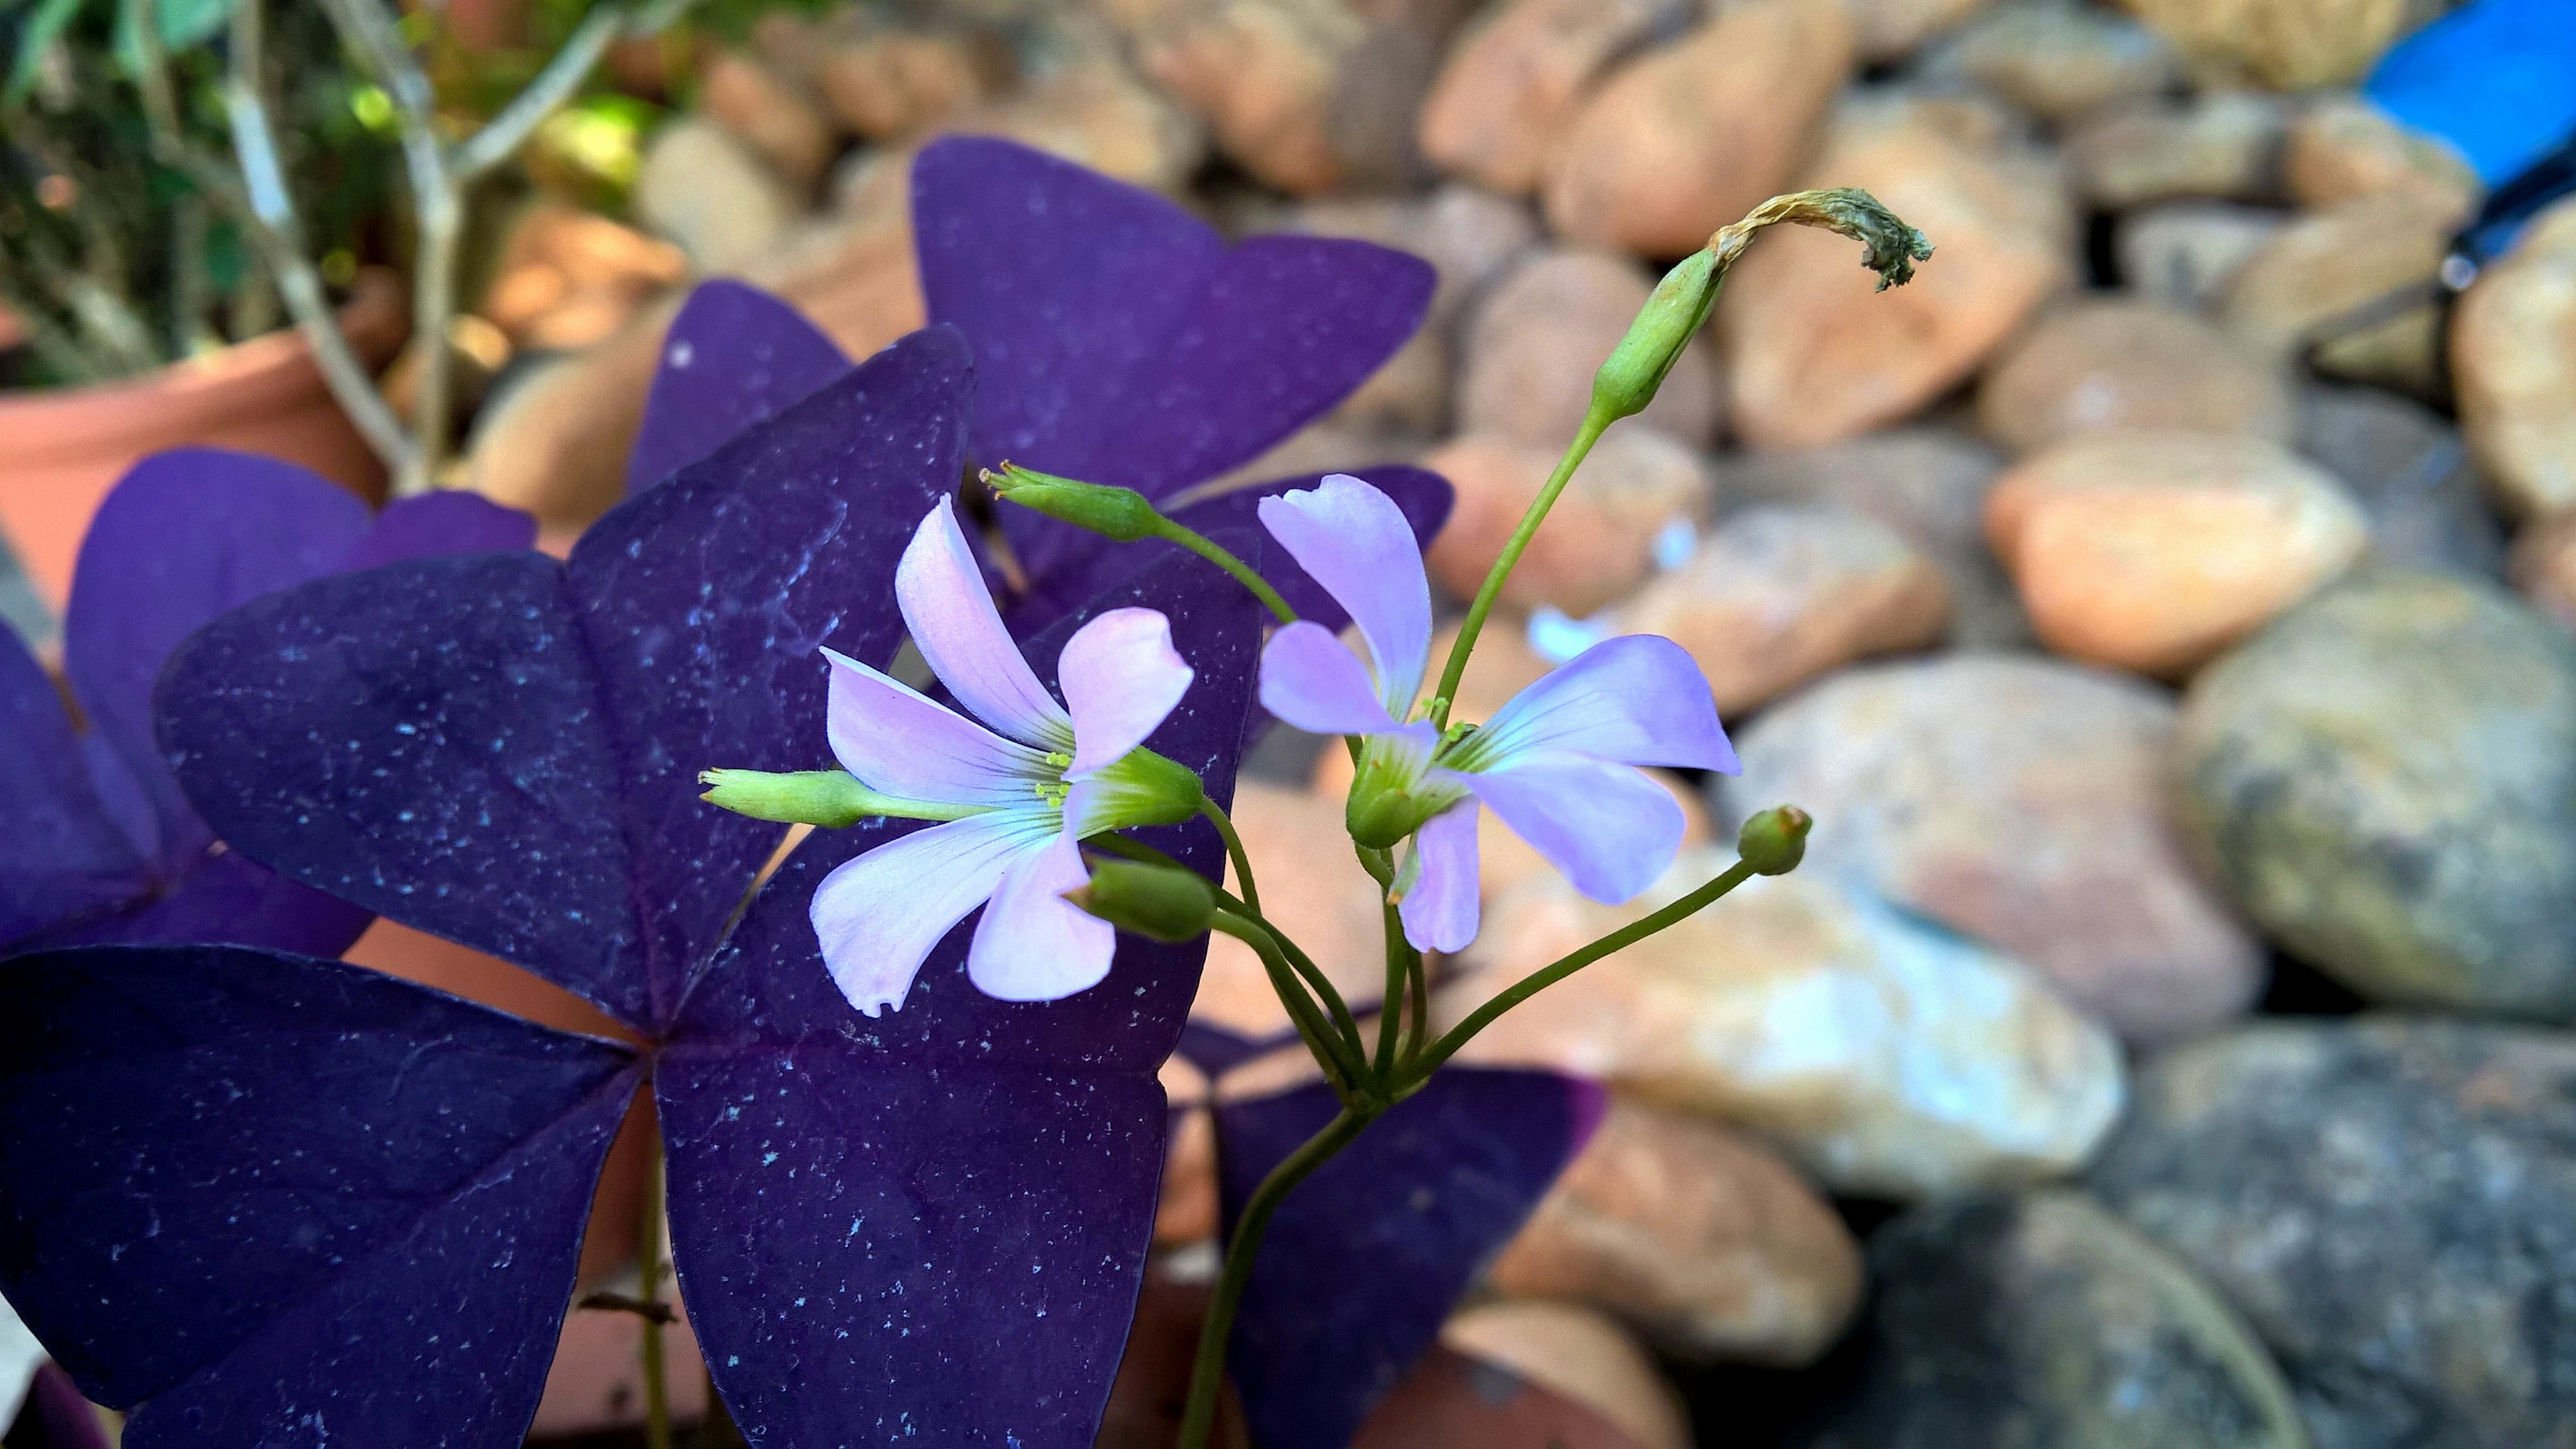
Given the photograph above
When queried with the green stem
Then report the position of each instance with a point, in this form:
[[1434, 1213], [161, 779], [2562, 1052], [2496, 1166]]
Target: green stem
[[1491, 589], [1390, 1014], [1537, 981], [1207, 1372], [1243, 574], [648, 1256], [1234, 852], [1337, 1049], [1418, 989]]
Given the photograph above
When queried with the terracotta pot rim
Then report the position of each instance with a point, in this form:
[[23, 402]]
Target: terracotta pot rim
[[184, 397]]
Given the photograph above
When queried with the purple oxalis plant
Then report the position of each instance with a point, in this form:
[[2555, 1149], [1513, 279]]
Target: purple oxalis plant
[[1116, 338], [265, 1198], [97, 842]]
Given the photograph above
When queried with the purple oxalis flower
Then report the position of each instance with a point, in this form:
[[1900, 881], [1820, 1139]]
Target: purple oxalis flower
[[270, 1199], [1117, 339], [1556, 762], [1023, 799], [97, 843]]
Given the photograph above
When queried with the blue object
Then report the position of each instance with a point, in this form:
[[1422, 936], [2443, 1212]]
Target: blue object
[[2496, 78]]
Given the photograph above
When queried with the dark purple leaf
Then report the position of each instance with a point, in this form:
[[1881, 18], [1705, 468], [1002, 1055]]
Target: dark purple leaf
[[734, 356], [934, 1222], [271, 1199], [1116, 337], [439, 523], [225, 898], [184, 536], [1364, 1259], [61, 855], [504, 752]]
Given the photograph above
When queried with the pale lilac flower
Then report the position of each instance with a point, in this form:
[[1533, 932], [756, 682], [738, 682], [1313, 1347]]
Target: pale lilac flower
[[1016, 799], [1557, 762]]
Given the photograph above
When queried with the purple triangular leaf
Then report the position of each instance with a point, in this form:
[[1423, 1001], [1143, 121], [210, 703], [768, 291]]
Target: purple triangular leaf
[[62, 856], [503, 752], [183, 537], [273, 1199], [703, 603], [1118, 340], [1364, 1259], [934, 1222], [424, 740], [438, 523], [734, 356], [225, 899]]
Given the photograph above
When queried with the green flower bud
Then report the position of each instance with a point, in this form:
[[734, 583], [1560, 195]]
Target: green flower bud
[[1391, 798], [1774, 841], [1144, 788], [1664, 326], [1122, 514], [830, 798], [1154, 901]]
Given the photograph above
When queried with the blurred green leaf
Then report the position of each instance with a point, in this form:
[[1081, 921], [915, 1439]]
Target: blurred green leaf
[[42, 27], [185, 25]]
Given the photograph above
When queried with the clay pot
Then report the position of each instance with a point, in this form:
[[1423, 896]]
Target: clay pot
[[61, 450]]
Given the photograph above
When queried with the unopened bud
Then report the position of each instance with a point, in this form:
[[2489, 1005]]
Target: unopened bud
[[830, 798], [1122, 514], [1144, 788], [1774, 841], [1664, 327], [1158, 902]]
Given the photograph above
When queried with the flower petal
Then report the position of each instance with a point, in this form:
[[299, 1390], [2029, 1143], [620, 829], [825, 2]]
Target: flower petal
[[1359, 546], [878, 916], [959, 631], [1120, 676], [1441, 912], [1638, 699], [1608, 827], [1310, 680], [898, 742], [1033, 945]]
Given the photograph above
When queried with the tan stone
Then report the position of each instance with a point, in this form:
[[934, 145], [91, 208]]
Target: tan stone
[[2284, 44], [892, 84], [2342, 147], [1700, 1239], [2057, 60], [1262, 74], [2317, 286], [773, 115], [2106, 364], [1187, 1210], [707, 191], [555, 444], [1778, 595], [2186, 254], [1511, 88], [2513, 360], [1814, 354], [566, 278], [1686, 139], [1469, 235], [2154, 551], [1535, 340], [1888, 1057], [1599, 540], [2223, 144], [2544, 565], [2018, 800], [1313, 888], [1096, 113], [1580, 1354], [1889, 30]]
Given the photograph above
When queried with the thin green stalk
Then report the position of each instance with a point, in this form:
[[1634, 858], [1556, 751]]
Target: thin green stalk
[[1331, 1046], [1418, 989], [1390, 1015], [1537, 981], [1207, 1371], [648, 1256], [1243, 574], [1234, 852], [1492, 588]]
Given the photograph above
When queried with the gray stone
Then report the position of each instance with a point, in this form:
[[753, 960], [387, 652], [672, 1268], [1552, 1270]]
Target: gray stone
[[2187, 253], [2040, 1320], [2391, 1203], [2412, 475], [2385, 780]]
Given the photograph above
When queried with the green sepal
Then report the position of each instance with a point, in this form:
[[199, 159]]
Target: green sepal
[[1120, 514], [1774, 841], [832, 798], [1157, 902], [1664, 328]]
